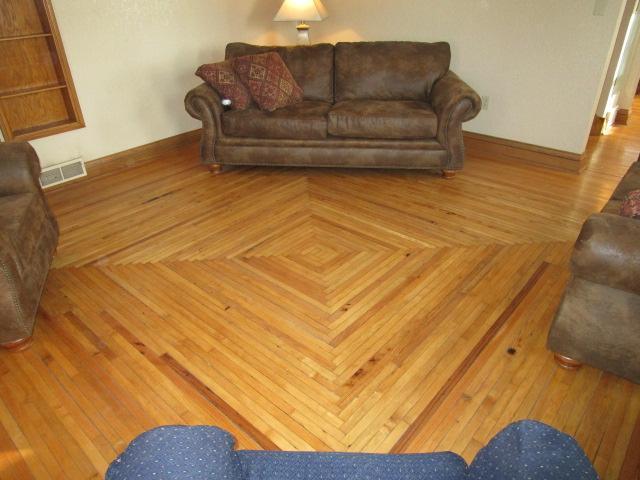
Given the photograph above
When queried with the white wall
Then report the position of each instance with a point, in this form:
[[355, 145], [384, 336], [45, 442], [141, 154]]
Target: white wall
[[542, 62]]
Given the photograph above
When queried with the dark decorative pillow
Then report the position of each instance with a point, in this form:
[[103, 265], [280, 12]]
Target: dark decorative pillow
[[268, 79], [224, 79], [631, 204]]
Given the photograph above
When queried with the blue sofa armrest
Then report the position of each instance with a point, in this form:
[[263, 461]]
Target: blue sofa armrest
[[178, 452], [532, 450]]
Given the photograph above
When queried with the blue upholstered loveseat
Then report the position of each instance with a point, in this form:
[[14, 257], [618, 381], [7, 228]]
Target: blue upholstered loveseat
[[523, 450]]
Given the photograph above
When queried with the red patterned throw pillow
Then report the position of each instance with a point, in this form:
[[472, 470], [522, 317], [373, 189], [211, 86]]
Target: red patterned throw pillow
[[631, 204], [224, 79], [269, 80]]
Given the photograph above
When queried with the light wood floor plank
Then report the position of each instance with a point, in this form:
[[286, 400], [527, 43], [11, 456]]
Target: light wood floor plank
[[325, 309]]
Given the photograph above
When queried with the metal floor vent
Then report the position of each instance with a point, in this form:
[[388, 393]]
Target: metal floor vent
[[62, 172]]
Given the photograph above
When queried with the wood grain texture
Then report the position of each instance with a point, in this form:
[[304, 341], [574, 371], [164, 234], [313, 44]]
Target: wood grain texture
[[486, 146], [597, 126], [311, 310], [622, 116], [37, 94]]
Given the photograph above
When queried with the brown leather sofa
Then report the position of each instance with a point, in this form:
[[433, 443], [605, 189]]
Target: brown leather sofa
[[366, 104], [598, 322], [28, 239]]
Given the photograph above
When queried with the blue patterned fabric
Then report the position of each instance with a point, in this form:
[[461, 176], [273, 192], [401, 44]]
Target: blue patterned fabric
[[524, 450], [258, 465], [178, 452], [531, 450]]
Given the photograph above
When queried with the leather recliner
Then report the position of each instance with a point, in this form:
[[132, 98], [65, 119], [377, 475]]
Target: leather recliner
[[598, 322], [28, 239]]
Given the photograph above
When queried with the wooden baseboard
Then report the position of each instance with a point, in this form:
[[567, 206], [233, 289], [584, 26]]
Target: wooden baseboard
[[486, 146], [597, 126], [622, 116], [138, 155], [476, 145]]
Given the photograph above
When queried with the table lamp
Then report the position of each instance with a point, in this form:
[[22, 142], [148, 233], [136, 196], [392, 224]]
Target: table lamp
[[301, 11]]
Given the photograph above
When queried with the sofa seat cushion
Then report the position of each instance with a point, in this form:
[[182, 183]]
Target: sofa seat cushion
[[306, 120], [24, 223], [383, 119]]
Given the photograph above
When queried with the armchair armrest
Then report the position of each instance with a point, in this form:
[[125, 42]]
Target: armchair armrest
[[19, 168], [195, 453], [608, 252], [454, 102], [530, 449], [204, 103]]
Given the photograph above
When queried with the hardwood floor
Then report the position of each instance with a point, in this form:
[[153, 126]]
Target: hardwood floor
[[312, 309]]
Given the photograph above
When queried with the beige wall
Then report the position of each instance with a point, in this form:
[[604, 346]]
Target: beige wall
[[610, 87], [132, 62], [541, 62], [629, 74]]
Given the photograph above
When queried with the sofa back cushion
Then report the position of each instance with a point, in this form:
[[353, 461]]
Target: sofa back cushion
[[263, 465], [388, 70], [310, 65]]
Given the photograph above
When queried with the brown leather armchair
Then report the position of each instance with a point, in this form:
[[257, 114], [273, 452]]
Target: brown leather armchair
[[28, 239], [598, 322]]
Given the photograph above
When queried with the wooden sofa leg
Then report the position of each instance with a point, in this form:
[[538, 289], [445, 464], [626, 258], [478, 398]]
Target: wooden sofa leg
[[18, 345], [448, 174], [215, 168], [566, 362]]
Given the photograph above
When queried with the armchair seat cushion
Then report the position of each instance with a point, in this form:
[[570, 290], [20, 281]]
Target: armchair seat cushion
[[306, 120], [25, 224], [390, 119]]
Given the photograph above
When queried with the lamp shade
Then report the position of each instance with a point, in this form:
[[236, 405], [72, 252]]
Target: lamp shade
[[307, 10]]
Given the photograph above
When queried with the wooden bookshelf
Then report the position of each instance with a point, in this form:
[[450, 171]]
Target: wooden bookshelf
[[37, 96]]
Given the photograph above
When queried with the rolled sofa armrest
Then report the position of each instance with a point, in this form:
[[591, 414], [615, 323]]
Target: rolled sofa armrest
[[608, 252], [194, 453], [454, 102], [19, 168], [450, 95], [204, 103]]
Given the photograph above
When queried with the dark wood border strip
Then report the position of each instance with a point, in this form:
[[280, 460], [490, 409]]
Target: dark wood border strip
[[169, 366], [232, 414], [435, 403]]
